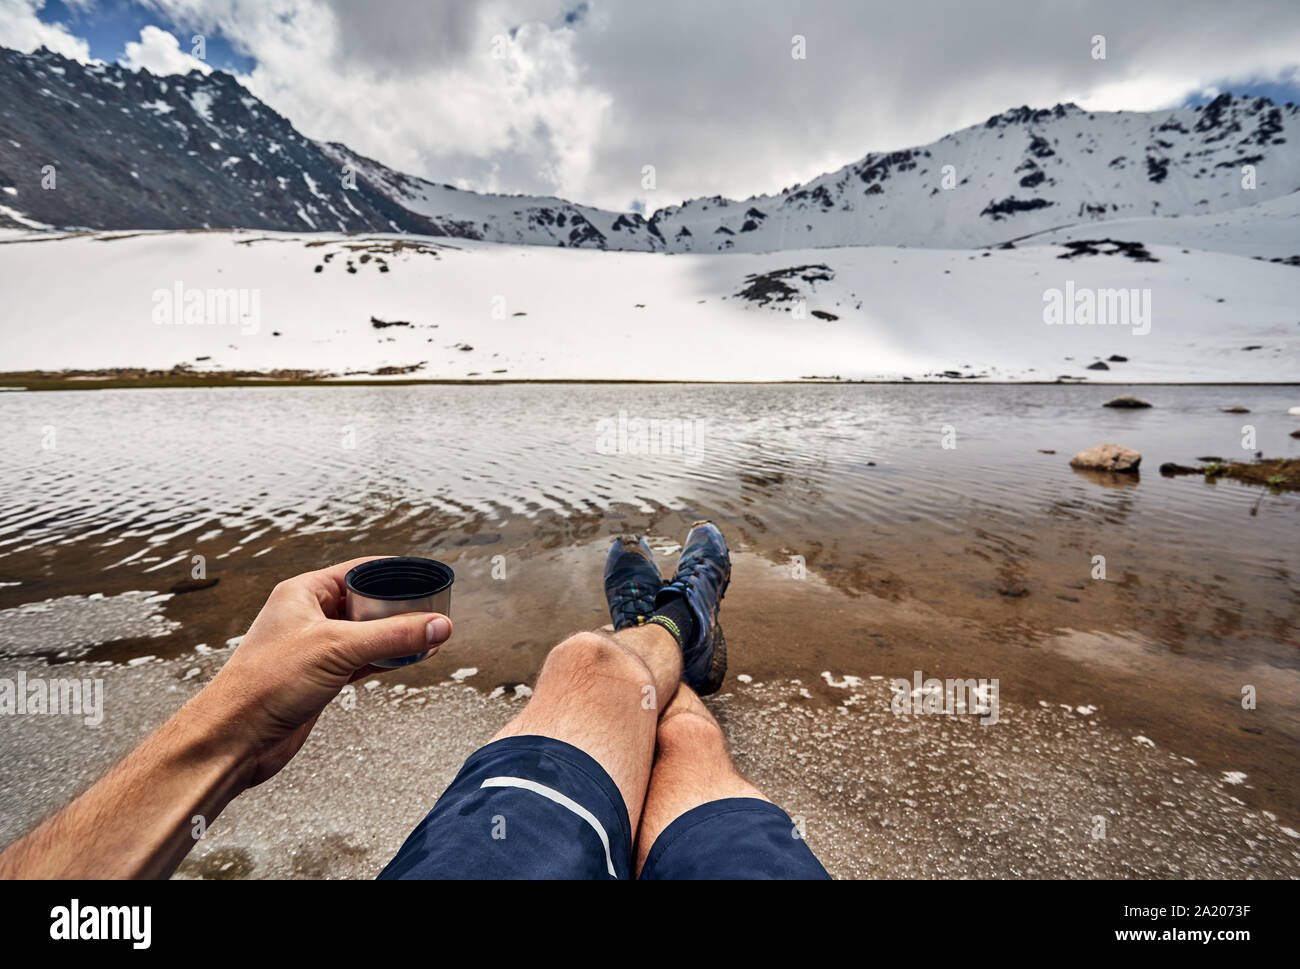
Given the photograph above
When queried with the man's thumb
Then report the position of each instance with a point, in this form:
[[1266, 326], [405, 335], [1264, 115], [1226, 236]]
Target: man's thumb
[[415, 632]]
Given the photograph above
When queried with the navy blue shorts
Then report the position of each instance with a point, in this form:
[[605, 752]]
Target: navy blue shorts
[[533, 807]]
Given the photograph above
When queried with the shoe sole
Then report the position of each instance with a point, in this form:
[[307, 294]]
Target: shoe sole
[[717, 664]]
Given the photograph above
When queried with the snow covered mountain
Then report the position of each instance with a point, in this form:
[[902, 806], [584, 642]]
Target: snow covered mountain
[[530, 220], [136, 151], [1019, 173], [99, 146]]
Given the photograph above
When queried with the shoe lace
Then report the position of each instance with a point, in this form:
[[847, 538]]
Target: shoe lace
[[689, 568]]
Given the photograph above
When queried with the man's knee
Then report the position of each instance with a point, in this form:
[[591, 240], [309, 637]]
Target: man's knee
[[693, 741], [690, 729], [591, 657]]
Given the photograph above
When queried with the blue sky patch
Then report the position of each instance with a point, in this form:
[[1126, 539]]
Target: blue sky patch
[[1286, 88], [109, 25]]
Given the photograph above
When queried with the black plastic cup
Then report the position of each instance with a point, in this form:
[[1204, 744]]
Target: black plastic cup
[[392, 586]]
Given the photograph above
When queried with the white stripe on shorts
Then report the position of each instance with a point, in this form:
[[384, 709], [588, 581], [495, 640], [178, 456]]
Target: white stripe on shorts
[[563, 801]]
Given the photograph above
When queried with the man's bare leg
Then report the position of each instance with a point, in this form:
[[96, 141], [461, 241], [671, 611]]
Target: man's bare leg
[[602, 693], [692, 766]]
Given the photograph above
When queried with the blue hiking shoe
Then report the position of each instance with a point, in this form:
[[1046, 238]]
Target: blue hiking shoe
[[703, 571], [631, 581]]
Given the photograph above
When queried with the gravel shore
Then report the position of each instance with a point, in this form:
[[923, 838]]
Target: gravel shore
[[879, 795]]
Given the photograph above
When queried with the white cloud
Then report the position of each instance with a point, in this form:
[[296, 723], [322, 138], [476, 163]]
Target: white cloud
[[21, 29], [160, 53], [707, 93], [421, 87]]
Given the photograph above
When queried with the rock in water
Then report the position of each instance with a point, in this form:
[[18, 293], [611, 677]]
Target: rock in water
[[192, 585], [1236, 410], [1126, 400], [1107, 457], [1099, 365]]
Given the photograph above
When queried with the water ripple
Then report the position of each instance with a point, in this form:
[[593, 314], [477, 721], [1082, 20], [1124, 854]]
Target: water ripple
[[161, 469]]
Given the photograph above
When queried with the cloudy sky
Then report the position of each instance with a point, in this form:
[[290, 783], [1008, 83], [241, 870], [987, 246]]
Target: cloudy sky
[[574, 97]]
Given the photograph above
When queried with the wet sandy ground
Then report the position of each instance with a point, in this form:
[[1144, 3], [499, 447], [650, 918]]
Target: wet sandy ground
[[878, 794]]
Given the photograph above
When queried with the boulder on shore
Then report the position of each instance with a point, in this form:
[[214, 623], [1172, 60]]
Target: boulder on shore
[[1126, 400], [1107, 457]]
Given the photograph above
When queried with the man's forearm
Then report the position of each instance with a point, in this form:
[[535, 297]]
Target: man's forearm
[[242, 728], [137, 822]]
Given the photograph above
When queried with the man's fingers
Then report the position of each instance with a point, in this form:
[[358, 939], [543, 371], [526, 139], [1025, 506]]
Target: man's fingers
[[376, 639], [333, 575], [326, 585]]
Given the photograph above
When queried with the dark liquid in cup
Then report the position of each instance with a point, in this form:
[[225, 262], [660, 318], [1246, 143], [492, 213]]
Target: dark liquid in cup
[[391, 586]]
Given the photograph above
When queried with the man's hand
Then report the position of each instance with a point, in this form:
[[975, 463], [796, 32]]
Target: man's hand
[[238, 731], [298, 655]]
